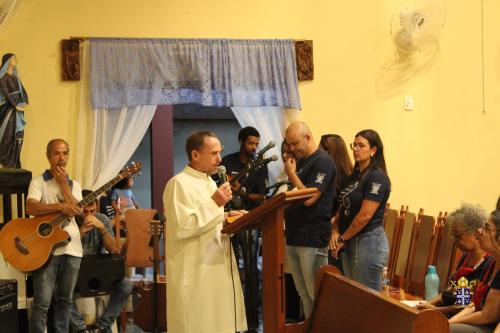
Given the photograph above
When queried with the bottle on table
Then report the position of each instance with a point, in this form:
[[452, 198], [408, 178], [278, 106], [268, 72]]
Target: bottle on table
[[431, 283]]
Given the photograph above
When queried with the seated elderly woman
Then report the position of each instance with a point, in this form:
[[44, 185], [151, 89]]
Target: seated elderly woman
[[475, 263], [484, 315]]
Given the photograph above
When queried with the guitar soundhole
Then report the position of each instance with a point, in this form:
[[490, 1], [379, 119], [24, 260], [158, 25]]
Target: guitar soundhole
[[44, 229]]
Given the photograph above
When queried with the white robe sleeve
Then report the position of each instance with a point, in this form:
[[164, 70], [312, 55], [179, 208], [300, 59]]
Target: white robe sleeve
[[194, 213]]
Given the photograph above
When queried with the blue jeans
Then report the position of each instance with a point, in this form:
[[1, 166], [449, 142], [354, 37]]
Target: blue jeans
[[121, 290], [365, 256], [57, 279], [304, 263]]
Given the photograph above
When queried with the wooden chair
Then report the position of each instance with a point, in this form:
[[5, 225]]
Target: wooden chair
[[139, 252], [438, 233], [343, 305], [447, 254], [420, 254], [391, 220], [403, 245]]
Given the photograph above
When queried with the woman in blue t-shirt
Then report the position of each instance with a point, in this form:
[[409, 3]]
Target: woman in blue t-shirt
[[358, 229]]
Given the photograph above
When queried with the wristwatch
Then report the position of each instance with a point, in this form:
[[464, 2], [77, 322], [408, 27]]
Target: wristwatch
[[341, 239]]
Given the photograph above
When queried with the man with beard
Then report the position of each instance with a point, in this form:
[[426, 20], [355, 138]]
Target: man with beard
[[248, 193]]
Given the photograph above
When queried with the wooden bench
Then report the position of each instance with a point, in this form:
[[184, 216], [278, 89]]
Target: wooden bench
[[342, 305]]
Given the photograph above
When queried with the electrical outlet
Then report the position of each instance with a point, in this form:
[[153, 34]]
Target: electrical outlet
[[409, 103]]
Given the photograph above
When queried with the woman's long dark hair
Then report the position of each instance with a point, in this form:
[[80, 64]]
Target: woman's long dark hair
[[335, 146], [377, 160]]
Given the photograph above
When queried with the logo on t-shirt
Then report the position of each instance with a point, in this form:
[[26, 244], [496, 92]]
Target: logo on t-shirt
[[320, 177], [375, 188], [344, 200]]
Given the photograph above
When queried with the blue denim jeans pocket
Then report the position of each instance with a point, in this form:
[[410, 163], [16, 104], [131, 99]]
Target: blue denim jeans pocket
[[366, 256]]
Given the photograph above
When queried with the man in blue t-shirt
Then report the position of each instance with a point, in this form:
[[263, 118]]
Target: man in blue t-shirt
[[308, 227], [97, 237]]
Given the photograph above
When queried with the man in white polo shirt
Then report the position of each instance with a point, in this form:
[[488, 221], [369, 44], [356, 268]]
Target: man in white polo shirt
[[54, 192]]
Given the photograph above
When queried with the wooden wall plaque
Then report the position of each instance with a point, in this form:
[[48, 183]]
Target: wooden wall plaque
[[70, 59], [304, 58]]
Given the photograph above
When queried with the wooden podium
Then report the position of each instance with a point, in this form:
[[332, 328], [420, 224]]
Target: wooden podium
[[269, 218]]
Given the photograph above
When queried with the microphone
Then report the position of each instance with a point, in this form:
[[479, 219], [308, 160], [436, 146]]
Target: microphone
[[266, 160], [275, 185], [221, 172], [270, 145]]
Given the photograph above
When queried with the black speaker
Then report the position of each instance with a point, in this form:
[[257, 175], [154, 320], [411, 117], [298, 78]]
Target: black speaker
[[8, 306], [98, 273]]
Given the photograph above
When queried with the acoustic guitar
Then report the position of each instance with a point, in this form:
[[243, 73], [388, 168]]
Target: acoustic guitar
[[151, 312], [27, 243]]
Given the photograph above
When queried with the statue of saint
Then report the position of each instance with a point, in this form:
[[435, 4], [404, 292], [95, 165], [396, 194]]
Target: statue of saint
[[13, 104]]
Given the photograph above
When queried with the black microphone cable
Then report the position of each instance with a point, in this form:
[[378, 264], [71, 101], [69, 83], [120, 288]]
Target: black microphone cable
[[232, 279]]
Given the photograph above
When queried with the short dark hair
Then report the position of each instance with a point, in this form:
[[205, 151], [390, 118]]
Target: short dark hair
[[51, 143], [122, 184], [196, 140], [246, 132], [86, 192]]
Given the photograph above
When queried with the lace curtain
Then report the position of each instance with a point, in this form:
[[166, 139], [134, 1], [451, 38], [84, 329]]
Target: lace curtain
[[210, 72], [106, 138]]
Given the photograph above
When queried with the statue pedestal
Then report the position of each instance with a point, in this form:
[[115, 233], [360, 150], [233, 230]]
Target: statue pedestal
[[14, 185]]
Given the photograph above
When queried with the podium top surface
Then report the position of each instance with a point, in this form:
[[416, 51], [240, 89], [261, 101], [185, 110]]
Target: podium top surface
[[281, 201]]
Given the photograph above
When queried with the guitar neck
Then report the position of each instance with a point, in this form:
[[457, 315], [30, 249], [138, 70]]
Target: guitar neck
[[246, 169], [88, 199], [93, 196]]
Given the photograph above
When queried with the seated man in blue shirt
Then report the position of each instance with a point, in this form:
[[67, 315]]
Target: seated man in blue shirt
[[97, 237]]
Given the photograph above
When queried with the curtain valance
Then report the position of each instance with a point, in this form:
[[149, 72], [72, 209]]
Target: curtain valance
[[211, 72]]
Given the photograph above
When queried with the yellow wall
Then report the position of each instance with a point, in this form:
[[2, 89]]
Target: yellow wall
[[441, 153]]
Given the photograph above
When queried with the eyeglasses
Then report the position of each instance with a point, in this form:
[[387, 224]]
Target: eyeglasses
[[357, 146], [457, 236], [487, 227]]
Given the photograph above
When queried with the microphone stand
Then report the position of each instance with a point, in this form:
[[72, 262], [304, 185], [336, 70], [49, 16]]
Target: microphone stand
[[157, 229]]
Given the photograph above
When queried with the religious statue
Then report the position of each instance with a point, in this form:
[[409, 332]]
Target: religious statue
[[13, 104]]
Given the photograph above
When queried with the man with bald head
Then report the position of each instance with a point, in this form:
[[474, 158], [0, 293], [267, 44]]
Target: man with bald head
[[308, 227], [54, 192]]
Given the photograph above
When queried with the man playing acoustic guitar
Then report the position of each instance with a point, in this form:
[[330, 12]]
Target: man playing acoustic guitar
[[97, 237], [54, 192]]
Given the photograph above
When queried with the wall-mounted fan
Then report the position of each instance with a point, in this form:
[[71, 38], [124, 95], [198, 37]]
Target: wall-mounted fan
[[415, 29], [7, 8]]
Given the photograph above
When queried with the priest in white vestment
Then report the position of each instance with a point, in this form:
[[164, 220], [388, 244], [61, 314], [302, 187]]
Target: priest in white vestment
[[204, 292]]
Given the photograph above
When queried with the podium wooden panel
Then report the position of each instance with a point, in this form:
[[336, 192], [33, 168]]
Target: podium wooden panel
[[269, 218], [343, 305]]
